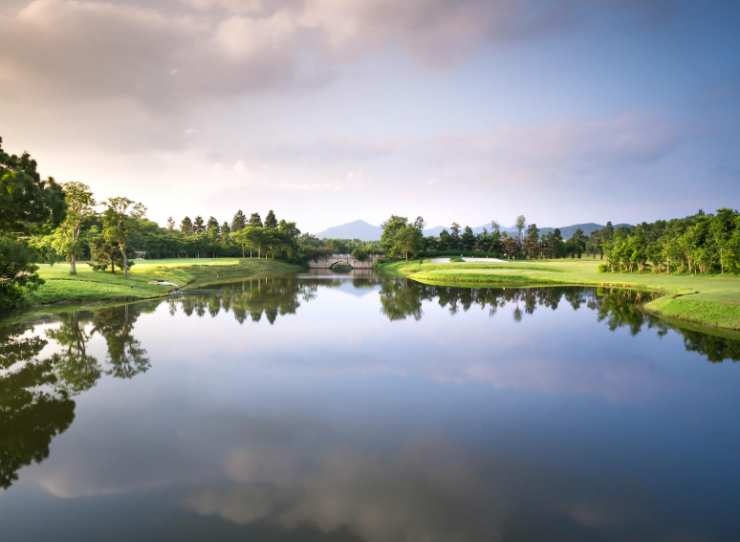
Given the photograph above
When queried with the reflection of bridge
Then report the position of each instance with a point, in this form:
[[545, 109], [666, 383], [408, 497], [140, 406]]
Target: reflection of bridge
[[329, 261]]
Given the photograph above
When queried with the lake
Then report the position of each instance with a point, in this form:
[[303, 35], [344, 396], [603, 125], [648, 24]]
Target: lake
[[350, 408]]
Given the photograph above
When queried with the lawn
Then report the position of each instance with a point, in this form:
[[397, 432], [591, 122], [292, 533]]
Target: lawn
[[89, 285], [709, 300]]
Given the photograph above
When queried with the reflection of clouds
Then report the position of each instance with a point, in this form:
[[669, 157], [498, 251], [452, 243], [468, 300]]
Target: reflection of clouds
[[617, 381], [425, 492], [551, 355]]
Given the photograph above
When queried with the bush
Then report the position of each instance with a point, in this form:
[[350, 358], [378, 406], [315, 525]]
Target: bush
[[457, 259], [17, 273]]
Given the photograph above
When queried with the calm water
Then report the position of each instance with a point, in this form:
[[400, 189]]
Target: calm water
[[318, 408]]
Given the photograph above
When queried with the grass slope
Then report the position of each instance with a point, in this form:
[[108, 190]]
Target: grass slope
[[89, 285], [709, 300]]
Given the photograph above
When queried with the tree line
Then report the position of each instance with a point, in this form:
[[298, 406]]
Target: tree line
[[701, 243], [402, 238]]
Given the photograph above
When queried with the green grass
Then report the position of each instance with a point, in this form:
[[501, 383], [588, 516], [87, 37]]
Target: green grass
[[93, 286], [709, 300]]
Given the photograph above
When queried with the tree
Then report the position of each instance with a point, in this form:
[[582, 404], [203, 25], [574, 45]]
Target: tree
[[255, 238], [455, 236], [212, 227], [577, 243], [445, 241], [270, 220], [532, 242], [198, 225], [17, 273], [400, 238], [239, 221], [255, 220], [171, 224], [186, 226], [520, 223], [391, 229], [80, 206], [27, 205], [408, 241], [467, 239], [119, 219]]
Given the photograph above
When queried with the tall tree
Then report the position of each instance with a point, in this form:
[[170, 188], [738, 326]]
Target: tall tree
[[455, 243], [271, 220], [521, 221], [199, 226], [532, 242], [119, 219], [239, 221], [186, 226], [80, 206], [468, 239], [27, 205], [171, 224], [255, 220], [391, 229]]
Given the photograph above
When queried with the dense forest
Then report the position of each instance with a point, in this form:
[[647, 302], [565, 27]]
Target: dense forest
[[702, 243]]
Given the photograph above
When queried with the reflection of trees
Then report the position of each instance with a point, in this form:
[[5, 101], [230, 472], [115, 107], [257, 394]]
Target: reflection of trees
[[399, 299], [76, 369], [716, 349], [36, 393], [618, 308], [126, 356], [250, 299], [33, 409]]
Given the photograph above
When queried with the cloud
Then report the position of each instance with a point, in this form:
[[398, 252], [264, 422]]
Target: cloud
[[86, 49]]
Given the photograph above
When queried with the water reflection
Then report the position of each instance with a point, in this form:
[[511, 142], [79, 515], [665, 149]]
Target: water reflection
[[252, 299], [33, 409], [617, 308], [369, 410], [36, 390]]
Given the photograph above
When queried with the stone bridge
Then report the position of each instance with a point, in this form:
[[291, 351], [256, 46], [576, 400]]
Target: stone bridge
[[327, 262]]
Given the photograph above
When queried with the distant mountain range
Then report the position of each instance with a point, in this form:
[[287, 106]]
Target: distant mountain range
[[359, 229]]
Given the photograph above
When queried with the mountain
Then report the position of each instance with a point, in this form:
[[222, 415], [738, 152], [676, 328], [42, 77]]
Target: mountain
[[364, 231], [359, 229]]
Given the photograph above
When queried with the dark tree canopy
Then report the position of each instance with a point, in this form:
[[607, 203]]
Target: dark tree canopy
[[27, 203]]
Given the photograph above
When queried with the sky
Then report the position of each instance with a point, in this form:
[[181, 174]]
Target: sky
[[329, 111]]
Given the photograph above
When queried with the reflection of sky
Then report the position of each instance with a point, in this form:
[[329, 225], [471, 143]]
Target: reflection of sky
[[452, 427]]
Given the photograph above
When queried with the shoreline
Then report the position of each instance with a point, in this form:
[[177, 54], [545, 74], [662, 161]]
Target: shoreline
[[712, 302], [148, 280]]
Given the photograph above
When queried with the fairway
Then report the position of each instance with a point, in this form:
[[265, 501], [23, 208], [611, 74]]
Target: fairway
[[709, 300], [88, 285]]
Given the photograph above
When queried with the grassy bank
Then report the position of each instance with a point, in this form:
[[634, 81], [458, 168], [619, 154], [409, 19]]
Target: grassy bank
[[94, 286], [709, 300]]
